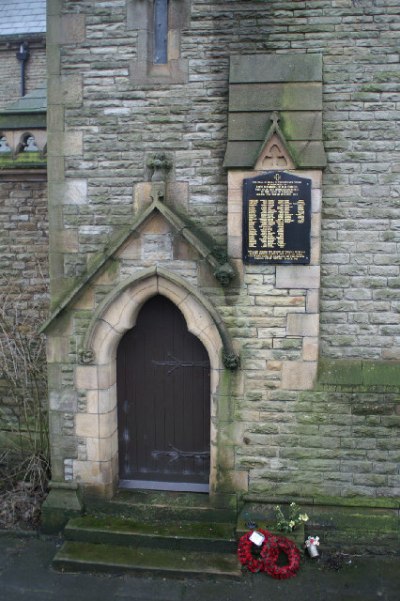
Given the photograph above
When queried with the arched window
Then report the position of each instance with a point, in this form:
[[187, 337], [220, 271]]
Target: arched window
[[27, 143]]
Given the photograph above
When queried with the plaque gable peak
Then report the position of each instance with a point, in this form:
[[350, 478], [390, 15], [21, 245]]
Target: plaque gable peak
[[275, 152]]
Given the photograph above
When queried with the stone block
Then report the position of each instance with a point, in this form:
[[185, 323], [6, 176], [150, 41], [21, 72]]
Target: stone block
[[173, 44], [75, 192], [141, 197], [57, 349], [315, 225], [177, 194], [299, 324], [276, 97], [61, 504], [130, 251], [107, 399], [87, 425], [88, 472], [297, 276], [236, 177], [92, 401], [315, 256], [73, 143], [107, 376], [156, 247], [137, 15], [86, 301], [53, 59], [55, 122], [72, 28], [103, 449], [103, 339], [310, 349], [252, 68], [53, 29], [86, 377], [68, 241], [72, 90], [235, 222], [235, 247], [156, 224], [184, 251], [241, 154], [309, 154], [239, 481], [108, 423], [298, 375], [296, 125], [316, 201], [65, 401]]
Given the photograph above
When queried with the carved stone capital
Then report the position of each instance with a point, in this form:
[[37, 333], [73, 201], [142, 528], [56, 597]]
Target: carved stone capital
[[224, 274], [86, 356], [231, 360]]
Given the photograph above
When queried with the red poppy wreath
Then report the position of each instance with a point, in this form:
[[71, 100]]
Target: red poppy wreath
[[270, 554], [249, 554], [265, 557]]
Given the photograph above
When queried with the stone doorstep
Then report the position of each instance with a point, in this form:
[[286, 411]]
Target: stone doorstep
[[181, 535], [159, 506], [76, 556], [117, 544], [175, 534]]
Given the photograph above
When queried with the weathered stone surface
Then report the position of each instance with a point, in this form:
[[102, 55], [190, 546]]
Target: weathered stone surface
[[265, 68], [283, 439], [276, 97]]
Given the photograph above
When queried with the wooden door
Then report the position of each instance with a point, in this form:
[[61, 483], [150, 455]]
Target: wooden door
[[163, 380]]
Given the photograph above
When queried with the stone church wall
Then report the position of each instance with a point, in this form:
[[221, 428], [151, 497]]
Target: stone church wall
[[10, 67], [23, 219], [340, 439]]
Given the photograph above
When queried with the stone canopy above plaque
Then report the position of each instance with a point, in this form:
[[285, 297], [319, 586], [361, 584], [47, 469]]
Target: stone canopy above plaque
[[276, 219]]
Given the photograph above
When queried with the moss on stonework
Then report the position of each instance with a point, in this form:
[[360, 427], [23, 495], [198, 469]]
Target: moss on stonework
[[28, 160], [387, 76], [126, 525], [356, 372], [216, 250]]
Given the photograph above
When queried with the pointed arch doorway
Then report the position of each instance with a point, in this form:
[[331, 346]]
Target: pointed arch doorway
[[163, 389]]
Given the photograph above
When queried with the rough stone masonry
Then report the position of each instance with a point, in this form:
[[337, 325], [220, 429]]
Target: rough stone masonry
[[334, 435]]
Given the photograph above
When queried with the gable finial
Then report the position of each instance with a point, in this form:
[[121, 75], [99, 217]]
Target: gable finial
[[275, 118]]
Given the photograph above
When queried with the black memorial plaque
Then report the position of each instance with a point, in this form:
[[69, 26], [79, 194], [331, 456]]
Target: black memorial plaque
[[276, 218]]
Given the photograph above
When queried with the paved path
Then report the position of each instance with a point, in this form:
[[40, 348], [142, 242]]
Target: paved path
[[26, 574]]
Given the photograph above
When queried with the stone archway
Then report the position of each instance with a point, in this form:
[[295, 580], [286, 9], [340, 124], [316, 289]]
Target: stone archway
[[113, 318], [163, 392]]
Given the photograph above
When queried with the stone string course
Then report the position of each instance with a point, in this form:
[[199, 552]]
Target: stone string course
[[277, 442]]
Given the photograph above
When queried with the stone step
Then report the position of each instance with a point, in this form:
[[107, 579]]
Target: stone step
[[80, 556], [193, 536], [161, 506]]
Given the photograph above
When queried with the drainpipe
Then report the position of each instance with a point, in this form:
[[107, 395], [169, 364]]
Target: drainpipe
[[22, 56]]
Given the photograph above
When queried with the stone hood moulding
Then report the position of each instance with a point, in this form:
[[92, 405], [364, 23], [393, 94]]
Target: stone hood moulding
[[222, 271]]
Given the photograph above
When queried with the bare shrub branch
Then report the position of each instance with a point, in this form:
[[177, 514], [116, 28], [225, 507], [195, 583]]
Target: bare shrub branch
[[24, 463]]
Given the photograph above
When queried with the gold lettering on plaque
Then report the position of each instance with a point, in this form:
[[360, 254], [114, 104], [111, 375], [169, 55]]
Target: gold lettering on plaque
[[252, 223], [277, 219], [300, 211]]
